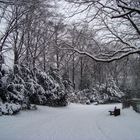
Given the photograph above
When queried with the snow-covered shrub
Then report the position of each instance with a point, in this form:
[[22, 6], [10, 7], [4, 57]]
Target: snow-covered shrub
[[69, 89], [99, 93], [40, 87], [53, 86], [80, 97], [58, 102], [24, 87], [9, 108], [35, 92]]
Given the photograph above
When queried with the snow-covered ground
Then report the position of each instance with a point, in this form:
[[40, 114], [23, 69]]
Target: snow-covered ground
[[75, 122]]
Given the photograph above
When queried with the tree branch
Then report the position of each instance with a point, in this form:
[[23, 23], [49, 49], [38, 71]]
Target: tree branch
[[133, 9], [105, 60], [122, 15]]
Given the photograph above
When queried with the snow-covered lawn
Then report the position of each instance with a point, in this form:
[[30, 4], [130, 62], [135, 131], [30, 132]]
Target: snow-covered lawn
[[75, 122]]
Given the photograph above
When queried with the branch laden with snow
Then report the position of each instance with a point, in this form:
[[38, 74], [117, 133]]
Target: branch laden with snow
[[111, 57]]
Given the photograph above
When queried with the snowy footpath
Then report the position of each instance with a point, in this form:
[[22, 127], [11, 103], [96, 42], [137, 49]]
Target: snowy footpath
[[75, 122]]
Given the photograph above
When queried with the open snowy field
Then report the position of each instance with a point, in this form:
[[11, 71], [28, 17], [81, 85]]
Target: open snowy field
[[75, 122]]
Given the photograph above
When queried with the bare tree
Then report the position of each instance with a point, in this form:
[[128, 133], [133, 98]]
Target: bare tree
[[119, 20]]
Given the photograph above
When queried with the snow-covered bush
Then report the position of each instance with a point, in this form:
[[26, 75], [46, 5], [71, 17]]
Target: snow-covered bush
[[42, 88], [99, 93], [9, 108], [24, 87], [53, 86]]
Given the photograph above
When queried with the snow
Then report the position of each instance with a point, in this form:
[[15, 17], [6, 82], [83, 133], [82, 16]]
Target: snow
[[74, 122]]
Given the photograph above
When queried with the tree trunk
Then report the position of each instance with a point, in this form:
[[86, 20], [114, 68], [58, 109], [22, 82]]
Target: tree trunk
[[73, 72]]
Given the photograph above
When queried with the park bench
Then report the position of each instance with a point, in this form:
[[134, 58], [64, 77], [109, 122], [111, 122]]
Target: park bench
[[116, 112]]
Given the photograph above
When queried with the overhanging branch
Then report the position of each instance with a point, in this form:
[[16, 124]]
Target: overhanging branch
[[105, 60]]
